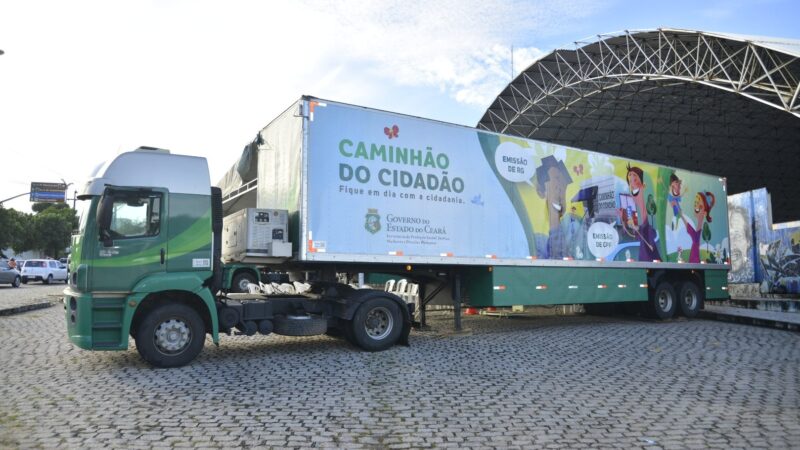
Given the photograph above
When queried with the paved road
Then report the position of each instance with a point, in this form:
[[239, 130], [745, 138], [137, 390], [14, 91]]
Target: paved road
[[33, 293], [547, 382]]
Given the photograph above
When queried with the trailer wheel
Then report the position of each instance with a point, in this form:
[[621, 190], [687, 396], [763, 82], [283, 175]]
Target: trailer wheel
[[664, 301], [305, 325], [377, 324], [240, 282], [171, 335], [690, 299]]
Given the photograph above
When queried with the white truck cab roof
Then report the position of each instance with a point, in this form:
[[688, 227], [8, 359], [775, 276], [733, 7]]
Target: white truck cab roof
[[151, 167]]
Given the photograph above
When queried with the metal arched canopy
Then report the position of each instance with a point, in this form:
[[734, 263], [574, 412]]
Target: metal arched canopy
[[717, 103]]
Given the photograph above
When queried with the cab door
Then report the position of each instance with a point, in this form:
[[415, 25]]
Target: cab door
[[132, 238]]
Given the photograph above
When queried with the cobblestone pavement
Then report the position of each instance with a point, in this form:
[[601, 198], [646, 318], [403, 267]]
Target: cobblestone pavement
[[34, 293], [524, 382]]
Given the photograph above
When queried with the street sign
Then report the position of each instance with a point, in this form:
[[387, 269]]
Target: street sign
[[48, 192]]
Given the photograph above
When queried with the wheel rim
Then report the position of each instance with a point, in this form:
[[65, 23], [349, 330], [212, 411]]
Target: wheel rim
[[664, 300], [243, 283], [689, 299], [172, 336], [379, 323]]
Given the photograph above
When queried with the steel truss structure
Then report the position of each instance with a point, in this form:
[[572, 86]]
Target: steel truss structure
[[717, 103]]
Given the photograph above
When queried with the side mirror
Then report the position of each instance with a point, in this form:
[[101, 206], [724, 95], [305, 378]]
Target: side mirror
[[103, 217]]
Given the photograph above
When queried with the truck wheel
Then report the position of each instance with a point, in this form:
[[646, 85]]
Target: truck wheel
[[305, 325], [49, 279], [690, 299], [377, 324], [664, 301], [171, 335], [240, 282], [16, 282]]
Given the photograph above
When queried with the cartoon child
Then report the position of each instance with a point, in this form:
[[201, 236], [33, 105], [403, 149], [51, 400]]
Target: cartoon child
[[639, 229], [703, 202], [674, 198], [552, 178]]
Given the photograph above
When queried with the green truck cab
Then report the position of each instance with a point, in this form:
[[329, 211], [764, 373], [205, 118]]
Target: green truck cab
[[146, 264]]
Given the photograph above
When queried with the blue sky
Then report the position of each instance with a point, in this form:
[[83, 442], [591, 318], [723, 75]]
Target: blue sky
[[84, 80]]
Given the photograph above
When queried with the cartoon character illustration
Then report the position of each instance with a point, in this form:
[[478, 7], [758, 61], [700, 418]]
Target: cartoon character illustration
[[703, 202], [674, 198], [634, 217], [552, 179]]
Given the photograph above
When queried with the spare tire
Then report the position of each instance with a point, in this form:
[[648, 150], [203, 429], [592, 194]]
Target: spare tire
[[304, 325]]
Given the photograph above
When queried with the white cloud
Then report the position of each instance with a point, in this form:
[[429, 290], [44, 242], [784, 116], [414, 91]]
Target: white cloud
[[90, 78]]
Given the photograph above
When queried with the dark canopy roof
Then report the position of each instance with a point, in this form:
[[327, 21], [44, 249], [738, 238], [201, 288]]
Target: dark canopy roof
[[716, 103]]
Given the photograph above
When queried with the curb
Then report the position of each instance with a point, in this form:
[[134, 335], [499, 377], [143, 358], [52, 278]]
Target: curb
[[25, 308]]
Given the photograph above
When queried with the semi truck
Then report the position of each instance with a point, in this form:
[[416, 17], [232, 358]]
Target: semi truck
[[483, 218]]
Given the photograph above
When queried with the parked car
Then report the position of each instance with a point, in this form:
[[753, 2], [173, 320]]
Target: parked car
[[9, 275], [44, 270]]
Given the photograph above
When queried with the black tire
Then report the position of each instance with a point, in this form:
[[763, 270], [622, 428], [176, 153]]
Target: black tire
[[171, 335], [307, 325], [48, 280], [377, 324], [664, 301], [16, 282], [241, 280], [24, 280], [690, 299]]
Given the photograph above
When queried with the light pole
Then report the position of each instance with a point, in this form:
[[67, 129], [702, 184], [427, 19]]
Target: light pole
[[67, 185]]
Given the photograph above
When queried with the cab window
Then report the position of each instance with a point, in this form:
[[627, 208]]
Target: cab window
[[136, 214]]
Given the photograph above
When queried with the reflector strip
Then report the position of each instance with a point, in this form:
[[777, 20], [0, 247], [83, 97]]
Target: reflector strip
[[643, 285], [708, 288], [541, 287], [601, 286], [622, 286], [724, 288], [396, 253], [491, 256], [567, 258], [502, 287], [532, 258], [702, 262], [629, 260], [600, 259], [311, 106], [572, 286], [446, 254], [656, 260]]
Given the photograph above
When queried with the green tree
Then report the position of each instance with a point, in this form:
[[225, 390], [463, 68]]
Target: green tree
[[707, 237], [14, 229], [53, 227]]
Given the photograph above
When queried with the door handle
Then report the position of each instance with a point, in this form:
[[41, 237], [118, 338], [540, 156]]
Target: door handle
[[163, 254]]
